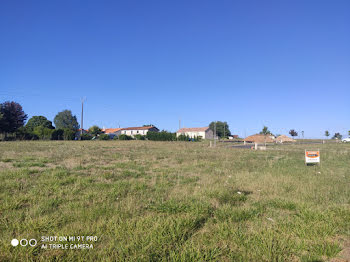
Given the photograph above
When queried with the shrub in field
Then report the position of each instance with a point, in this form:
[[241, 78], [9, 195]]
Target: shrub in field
[[23, 133], [125, 137], [68, 134], [104, 137], [43, 133], [139, 137], [86, 137], [161, 136], [57, 134]]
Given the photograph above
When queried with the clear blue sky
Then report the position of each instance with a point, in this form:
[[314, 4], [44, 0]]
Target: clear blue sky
[[284, 64]]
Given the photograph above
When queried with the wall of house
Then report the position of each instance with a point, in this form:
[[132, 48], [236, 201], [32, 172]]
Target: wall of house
[[137, 132], [209, 134], [193, 134]]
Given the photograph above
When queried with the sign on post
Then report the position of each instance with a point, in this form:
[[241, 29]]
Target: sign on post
[[312, 157]]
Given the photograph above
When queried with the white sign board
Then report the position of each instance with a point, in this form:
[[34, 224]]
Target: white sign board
[[312, 157]]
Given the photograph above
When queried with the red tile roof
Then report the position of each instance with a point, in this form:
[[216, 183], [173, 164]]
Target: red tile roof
[[111, 130], [193, 129]]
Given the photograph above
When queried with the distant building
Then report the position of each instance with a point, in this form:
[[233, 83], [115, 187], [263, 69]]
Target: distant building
[[203, 132], [142, 130], [259, 139], [112, 132], [284, 139]]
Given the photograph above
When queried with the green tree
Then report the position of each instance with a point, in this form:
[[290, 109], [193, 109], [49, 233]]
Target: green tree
[[337, 136], [95, 130], [65, 120], [12, 117], [43, 133], [293, 133], [222, 128], [38, 121], [326, 133], [265, 131]]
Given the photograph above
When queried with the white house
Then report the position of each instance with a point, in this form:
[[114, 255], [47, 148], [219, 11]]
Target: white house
[[142, 130], [203, 132]]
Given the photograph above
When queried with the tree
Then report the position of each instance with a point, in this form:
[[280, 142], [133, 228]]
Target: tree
[[265, 131], [38, 121], [337, 136], [65, 119], [293, 133], [43, 132], [348, 131], [326, 133], [12, 117], [222, 128], [95, 130]]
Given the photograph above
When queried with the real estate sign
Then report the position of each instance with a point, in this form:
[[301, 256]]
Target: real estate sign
[[312, 156]]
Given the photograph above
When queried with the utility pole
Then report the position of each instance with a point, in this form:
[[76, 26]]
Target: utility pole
[[82, 116], [215, 134], [224, 128], [179, 124]]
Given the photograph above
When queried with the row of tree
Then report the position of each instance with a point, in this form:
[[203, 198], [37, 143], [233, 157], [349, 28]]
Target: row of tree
[[12, 124], [294, 133]]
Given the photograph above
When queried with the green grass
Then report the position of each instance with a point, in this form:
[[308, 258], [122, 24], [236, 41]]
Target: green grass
[[174, 201]]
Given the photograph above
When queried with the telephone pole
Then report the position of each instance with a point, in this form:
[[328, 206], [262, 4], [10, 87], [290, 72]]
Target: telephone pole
[[82, 116], [215, 134], [224, 129]]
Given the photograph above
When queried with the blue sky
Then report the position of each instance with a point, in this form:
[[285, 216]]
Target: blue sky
[[284, 64]]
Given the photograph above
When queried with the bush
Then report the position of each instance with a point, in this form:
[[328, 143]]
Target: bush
[[23, 133], [86, 137], [183, 138], [68, 134], [139, 137], [125, 137], [161, 136], [187, 138], [43, 133], [57, 134], [104, 137]]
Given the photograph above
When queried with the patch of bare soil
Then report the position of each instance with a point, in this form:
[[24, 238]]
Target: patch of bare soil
[[344, 255]]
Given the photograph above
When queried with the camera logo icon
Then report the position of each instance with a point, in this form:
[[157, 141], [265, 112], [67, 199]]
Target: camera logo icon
[[24, 242]]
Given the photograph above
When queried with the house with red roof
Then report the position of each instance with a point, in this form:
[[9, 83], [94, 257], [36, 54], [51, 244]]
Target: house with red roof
[[203, 132]]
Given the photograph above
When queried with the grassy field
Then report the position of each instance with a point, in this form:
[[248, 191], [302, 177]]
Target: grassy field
[[174, 201]]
